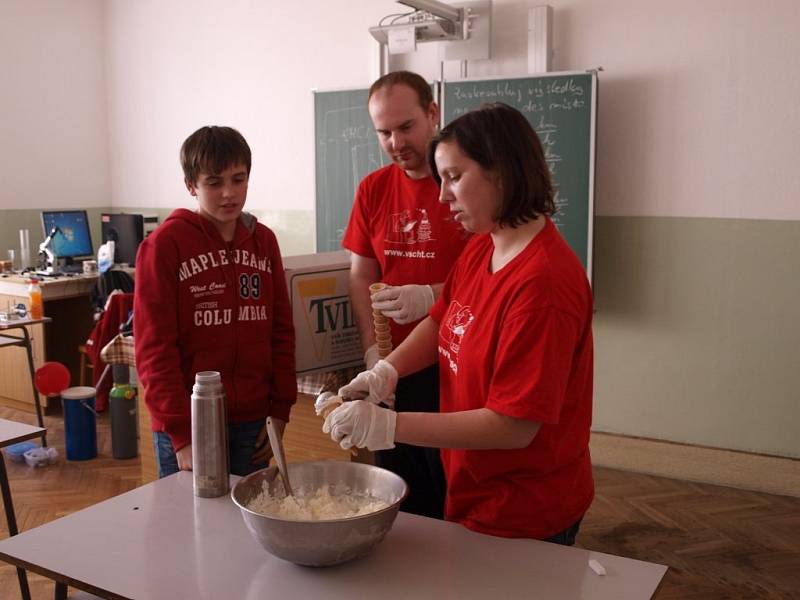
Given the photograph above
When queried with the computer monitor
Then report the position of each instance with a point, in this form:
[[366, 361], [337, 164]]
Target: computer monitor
[[72, 238], [127, 231]]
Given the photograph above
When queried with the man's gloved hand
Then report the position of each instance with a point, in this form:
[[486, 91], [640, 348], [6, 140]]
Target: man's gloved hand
[[372, 356], [404, 303], [376, 385], [363, 425]]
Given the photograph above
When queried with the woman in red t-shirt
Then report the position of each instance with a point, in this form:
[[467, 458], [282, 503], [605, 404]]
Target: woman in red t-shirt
[[512, 334]]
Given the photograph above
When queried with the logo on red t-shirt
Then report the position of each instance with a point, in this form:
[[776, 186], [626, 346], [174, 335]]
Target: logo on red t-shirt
[[410, 226], [451, 334]]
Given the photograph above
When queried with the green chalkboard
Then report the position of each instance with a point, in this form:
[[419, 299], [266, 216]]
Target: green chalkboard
[[561, 107], [346, 149]]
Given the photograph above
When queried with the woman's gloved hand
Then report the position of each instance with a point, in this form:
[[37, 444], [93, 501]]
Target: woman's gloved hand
[[376, 385], [363, 425], [325, 401], [404, 303], [372, 356]]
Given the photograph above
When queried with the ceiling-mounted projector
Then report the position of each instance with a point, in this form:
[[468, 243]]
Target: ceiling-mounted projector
[[431, 30], [464, 30], [432, 21]]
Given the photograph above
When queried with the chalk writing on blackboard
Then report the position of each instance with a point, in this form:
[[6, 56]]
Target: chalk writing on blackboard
[[358, 141], [560, 107], [564, 95], [347, 150]]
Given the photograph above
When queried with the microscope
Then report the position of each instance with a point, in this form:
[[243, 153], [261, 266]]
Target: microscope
[[48, 258]]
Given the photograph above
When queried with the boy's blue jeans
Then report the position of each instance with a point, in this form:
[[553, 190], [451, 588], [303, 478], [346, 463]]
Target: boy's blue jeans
[[241, 444], [566, 537]]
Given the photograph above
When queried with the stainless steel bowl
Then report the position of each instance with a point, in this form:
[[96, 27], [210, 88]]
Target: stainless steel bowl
[[329, 542]]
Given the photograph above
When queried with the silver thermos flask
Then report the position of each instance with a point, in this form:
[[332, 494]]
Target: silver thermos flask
[[209, 436]]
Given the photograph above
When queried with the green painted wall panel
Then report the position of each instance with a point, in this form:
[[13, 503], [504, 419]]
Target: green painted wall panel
[[697, 331]]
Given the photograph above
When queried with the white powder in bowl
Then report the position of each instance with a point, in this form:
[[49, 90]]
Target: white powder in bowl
[[320, 505]]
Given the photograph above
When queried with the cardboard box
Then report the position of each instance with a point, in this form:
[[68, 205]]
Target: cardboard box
[[324, 323]]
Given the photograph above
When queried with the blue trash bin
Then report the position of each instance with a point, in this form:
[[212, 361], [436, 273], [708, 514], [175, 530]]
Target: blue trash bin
[[80, 425]]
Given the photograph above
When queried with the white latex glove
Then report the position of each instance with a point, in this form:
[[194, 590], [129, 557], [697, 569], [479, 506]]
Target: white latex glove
[[376, 385], [404, 303], [372, 356], [363, 425], [324, 401]]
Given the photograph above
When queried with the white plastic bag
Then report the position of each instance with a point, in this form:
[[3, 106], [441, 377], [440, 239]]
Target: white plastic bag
[[105, 256], [40, 457]]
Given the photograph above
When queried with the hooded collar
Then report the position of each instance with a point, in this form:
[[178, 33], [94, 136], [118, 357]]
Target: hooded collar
[[245, 226]]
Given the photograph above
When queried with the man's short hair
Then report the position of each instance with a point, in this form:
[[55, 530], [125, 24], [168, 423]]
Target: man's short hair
[[212, 149], [500, 139], [412, 80]]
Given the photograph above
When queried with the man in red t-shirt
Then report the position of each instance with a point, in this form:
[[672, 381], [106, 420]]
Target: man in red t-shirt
[[399, 233]]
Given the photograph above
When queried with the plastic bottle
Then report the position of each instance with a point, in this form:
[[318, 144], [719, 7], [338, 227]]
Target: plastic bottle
[[122, 404], [35, 294]]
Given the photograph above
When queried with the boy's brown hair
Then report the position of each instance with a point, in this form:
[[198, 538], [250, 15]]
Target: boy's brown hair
[[212, 149]]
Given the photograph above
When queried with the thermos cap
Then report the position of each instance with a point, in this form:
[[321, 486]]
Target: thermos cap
[[207, 383], [208, 377]]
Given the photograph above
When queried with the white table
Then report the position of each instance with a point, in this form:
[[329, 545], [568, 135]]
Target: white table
[[159, 541], [12, 432]]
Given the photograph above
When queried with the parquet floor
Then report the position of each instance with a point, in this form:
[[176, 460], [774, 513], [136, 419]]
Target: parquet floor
[[720, 543]]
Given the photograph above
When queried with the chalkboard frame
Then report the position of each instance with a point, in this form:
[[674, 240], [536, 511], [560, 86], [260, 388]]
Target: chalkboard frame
[[325, 208], [587, 259]]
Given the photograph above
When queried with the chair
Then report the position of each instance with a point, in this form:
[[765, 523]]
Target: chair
[[86, 366], [117, 313]]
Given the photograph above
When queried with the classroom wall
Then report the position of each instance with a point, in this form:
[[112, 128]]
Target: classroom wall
[[697, 238], [697, 250], [53, 105], [248, 64], [698, 100]]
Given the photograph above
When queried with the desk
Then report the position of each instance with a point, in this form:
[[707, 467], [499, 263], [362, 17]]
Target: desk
[[160, 542], [11, 433], [67, 301], [24, 341]]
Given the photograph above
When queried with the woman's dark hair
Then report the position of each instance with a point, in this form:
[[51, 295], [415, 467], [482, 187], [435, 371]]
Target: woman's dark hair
[[212, 149], [500, 139]]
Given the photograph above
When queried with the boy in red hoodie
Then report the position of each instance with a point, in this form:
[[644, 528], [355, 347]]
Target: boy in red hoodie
[[211, 296]]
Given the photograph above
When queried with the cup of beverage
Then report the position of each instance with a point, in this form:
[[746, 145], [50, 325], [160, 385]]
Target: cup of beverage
[[12, 258]]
